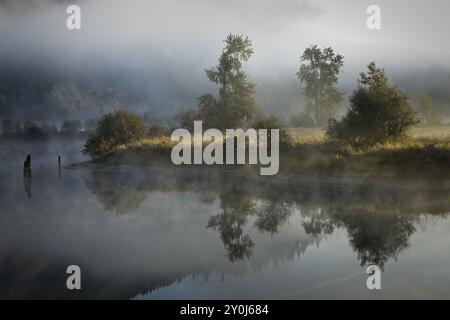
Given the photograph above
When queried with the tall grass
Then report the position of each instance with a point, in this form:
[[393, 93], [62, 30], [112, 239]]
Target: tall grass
[[425, 153]]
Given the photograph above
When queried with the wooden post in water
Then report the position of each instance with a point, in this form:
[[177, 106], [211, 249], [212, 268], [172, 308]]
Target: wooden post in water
[[59, 167], [27, 175], [27, 166]]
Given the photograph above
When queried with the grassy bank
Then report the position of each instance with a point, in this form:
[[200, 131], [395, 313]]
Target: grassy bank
[[425, 154]]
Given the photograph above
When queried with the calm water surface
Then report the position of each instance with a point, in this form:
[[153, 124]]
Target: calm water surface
[[162, 234]]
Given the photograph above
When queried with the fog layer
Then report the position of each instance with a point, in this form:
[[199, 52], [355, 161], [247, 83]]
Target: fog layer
[[150, 56]]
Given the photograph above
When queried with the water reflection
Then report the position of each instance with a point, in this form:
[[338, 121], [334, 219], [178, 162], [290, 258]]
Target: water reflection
[[27, 179], [376, 235], [160, 226], [27, 173], [236, 206], [118, 192], [379, 219]]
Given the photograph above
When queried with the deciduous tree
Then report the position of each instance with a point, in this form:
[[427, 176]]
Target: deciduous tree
[[319, 74]]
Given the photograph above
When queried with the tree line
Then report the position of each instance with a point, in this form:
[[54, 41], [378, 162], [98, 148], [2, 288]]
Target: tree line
[[378, 111], [13, 129]]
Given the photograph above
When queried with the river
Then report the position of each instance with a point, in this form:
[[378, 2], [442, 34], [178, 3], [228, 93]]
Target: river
[[159, 233]]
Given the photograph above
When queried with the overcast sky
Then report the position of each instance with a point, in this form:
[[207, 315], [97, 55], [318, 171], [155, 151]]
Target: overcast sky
[[413, 32]]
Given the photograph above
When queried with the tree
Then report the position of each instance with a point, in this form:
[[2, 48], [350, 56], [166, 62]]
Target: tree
[[71, 127], [272, 122], [49, 129], [35, 132], [429, 110], [114, 129], [302, 120], [156, 131], [235, 106], [319, 74], [8, 128], [185, 119], [27, 125], [379, 112]]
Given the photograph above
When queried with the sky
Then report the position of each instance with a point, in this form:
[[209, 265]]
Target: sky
[[147, 43]]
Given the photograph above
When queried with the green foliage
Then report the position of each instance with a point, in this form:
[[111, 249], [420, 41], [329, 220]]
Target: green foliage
[[235, 106], [186, 119], [272, 122], [378, 113], [114, 129], [319, 74], [263, 122], [156, 132], [429, 111]]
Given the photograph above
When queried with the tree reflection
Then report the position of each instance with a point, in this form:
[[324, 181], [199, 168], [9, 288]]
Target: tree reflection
[[236, 208], [118, 192], [272, 215], [380, 238], [317, 224], [379, 221], [375, 235], [27, 180]]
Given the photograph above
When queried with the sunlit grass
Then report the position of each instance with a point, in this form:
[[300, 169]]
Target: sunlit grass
[[425, 152]]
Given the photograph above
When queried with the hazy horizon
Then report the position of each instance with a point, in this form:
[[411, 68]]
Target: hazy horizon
[[155, 52]]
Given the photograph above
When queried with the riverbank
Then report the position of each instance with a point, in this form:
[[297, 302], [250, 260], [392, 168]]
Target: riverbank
[[425, 154]]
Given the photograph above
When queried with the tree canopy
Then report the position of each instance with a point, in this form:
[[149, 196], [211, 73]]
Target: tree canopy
[[319, 74], [378, 112], [235, 105], [114, 129]]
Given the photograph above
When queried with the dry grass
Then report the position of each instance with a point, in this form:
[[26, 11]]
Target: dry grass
[[301, 135], [306, 135], [426, 153]]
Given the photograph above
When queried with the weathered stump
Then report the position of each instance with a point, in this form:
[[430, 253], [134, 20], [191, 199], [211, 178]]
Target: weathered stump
[[27, 166]]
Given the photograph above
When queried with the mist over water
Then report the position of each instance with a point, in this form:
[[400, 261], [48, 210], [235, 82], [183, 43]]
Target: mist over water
[[163, 233]]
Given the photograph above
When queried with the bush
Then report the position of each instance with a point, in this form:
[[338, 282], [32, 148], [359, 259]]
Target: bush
[[186, 119], [272, 122], [378, 113], [156, 132], [114, 129]]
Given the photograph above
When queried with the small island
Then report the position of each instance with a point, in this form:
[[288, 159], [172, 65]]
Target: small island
[[382, 135]]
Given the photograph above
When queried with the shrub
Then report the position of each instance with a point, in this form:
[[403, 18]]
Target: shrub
[[378, 113], [114, 129], [156, 132], [272, 122], [186, 119]]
